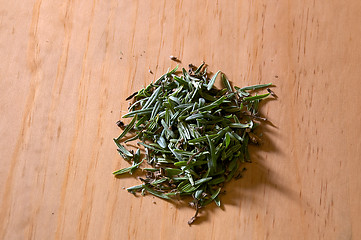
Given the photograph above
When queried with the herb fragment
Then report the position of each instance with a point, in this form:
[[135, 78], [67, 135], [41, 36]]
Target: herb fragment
[[120, 124], [131, 96]]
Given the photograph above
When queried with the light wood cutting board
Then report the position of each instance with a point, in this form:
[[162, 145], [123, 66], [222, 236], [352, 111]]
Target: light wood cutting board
[[67, 66]]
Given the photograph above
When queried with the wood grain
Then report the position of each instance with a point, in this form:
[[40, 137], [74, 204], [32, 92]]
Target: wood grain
[[67, 67]]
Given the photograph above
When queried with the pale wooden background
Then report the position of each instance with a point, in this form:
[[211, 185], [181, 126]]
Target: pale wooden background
[[67, 66]]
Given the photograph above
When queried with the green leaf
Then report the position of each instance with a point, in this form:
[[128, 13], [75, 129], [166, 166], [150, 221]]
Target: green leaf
[[256, 97], [202, 139], [152, 98], [215, 194], [199, 68], [220, 134], [180, 163], [233, 167], [228, 139], [128, 128], [255, 87], [213, 104], [156, 109], [139, 134], [240, 125], [189, 175], [232, 150], [173, 71], [140, 112], [151, 169], [203, 180], [180, 81], [178, 179], [183, 126], [236, 136], [207, 96], [135, 188], [241, 93], [226, 83], [123, 151], [162, 142], [211, 82], [141, 121], [173, 171], [175, 99], [125, 170], [153, 148], [194, 116], [213, 161], [155, 192], [167, 129], [217, 201], [213, 197], [166, 74], [182, 152], [198, 194], [186, 187], [177, 156], [217, 180], [136, 159]]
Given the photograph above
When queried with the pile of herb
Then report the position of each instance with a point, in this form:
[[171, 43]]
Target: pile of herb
[[194, 135]]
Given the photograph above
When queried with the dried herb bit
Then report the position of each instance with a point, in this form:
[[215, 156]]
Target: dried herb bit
[[195, 215], [272, 93], [195, 136], [131, 96], [173, 58], [120, 124]]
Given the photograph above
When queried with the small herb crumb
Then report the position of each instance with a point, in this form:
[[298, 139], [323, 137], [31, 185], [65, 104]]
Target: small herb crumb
[[120, 124]]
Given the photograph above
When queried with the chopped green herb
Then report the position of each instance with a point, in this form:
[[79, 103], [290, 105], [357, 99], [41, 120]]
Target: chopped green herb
[[195, 136]]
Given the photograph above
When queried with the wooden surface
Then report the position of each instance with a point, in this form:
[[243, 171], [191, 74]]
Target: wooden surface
[[67, 66]]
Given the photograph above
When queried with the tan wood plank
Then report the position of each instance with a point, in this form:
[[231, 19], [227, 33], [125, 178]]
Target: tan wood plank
[[67, 66]]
